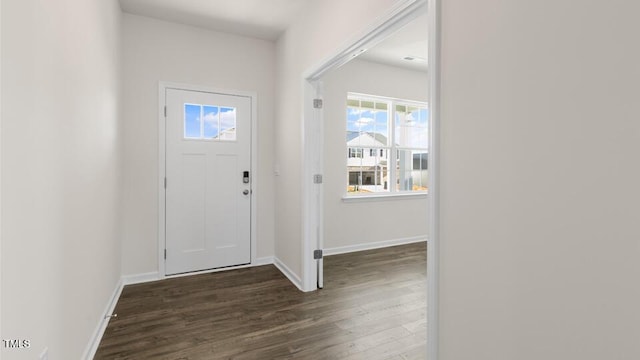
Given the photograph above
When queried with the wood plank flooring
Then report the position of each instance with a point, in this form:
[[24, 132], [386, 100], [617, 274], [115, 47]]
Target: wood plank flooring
[[373, 307]]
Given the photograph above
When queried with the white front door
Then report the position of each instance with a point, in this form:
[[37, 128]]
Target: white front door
[[208, 180]]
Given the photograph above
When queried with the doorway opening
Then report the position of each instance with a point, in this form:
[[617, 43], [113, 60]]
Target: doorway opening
[[314, 152]]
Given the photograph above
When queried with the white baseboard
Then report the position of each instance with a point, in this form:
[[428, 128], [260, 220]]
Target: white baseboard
[[140, 278], [258, 262], [91, 349], [267, 260], [284, 269], [372, 245], [155, 276]]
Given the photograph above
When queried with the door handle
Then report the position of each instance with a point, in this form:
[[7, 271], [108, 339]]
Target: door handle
[[246, 192]]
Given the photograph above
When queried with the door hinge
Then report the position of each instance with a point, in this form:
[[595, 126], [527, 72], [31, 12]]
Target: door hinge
[[317, 179], [165, 254], [317, 103], [165, 182], [317, 254], [165, 111]]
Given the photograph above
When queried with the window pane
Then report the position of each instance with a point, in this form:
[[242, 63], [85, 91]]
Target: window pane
[[367, 123], [367, 104], [419, 115], [353, 130], [412, 170], [382, 127], [368, 171], [192, 128], [211, 124], [227, 124], [373, 157], [355, 153], [409, 136], [411, 126]]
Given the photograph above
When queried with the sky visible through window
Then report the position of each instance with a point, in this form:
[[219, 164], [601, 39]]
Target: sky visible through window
[[411, 122], [209, 122], [363, 120]]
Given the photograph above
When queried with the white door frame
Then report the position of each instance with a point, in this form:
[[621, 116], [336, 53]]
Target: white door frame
[[162, 132], [313, 149], [0, 145]]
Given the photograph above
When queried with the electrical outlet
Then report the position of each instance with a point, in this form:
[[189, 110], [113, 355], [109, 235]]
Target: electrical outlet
[[44, 355]]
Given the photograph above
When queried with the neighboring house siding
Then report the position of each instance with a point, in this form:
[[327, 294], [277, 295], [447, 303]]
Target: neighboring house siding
[[365, 164]]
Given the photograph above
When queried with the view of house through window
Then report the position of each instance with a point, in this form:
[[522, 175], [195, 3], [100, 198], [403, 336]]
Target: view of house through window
[[387, 142]]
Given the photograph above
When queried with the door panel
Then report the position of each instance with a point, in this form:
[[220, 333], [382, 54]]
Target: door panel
[[191, 203], [208, 205]]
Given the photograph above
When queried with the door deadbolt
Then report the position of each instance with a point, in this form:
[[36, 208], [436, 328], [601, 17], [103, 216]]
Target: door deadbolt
[[246, 192]]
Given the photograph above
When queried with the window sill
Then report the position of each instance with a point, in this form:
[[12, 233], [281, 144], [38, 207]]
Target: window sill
[[385, 197]]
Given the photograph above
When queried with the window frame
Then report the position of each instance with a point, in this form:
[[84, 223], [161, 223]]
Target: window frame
[[392, 150], [201, 124]]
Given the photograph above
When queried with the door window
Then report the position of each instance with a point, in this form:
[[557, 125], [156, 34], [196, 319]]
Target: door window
[[209, 122]]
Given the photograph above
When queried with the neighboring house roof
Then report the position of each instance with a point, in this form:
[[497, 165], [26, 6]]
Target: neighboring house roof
[[378, 138], [228, 134]]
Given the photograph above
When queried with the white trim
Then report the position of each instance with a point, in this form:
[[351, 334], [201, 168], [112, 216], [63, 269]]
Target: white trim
[[395, 18], [155, 276], [284, 269], [373, 245], [207, 271], [433, 265], [140, 278], [385, 197], [312, 146], [92, 347], [162, 88], [1, 162], [267, 260], [388, 99], [398, 16], [162, 167], [392, 147]]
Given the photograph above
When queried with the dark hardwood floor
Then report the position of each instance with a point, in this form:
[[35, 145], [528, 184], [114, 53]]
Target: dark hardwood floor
[[373, 306]]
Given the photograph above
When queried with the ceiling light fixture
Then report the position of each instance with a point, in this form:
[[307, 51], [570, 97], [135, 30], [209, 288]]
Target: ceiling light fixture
[[415, 58]]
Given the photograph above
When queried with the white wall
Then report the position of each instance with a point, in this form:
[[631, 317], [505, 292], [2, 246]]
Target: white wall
[[305, 43], [161, 51], [540, 243], [61, 172], [361, 223]]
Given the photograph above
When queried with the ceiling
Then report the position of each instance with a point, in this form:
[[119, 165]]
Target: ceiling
[[267, 19], [263, 19], [409, 41]]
